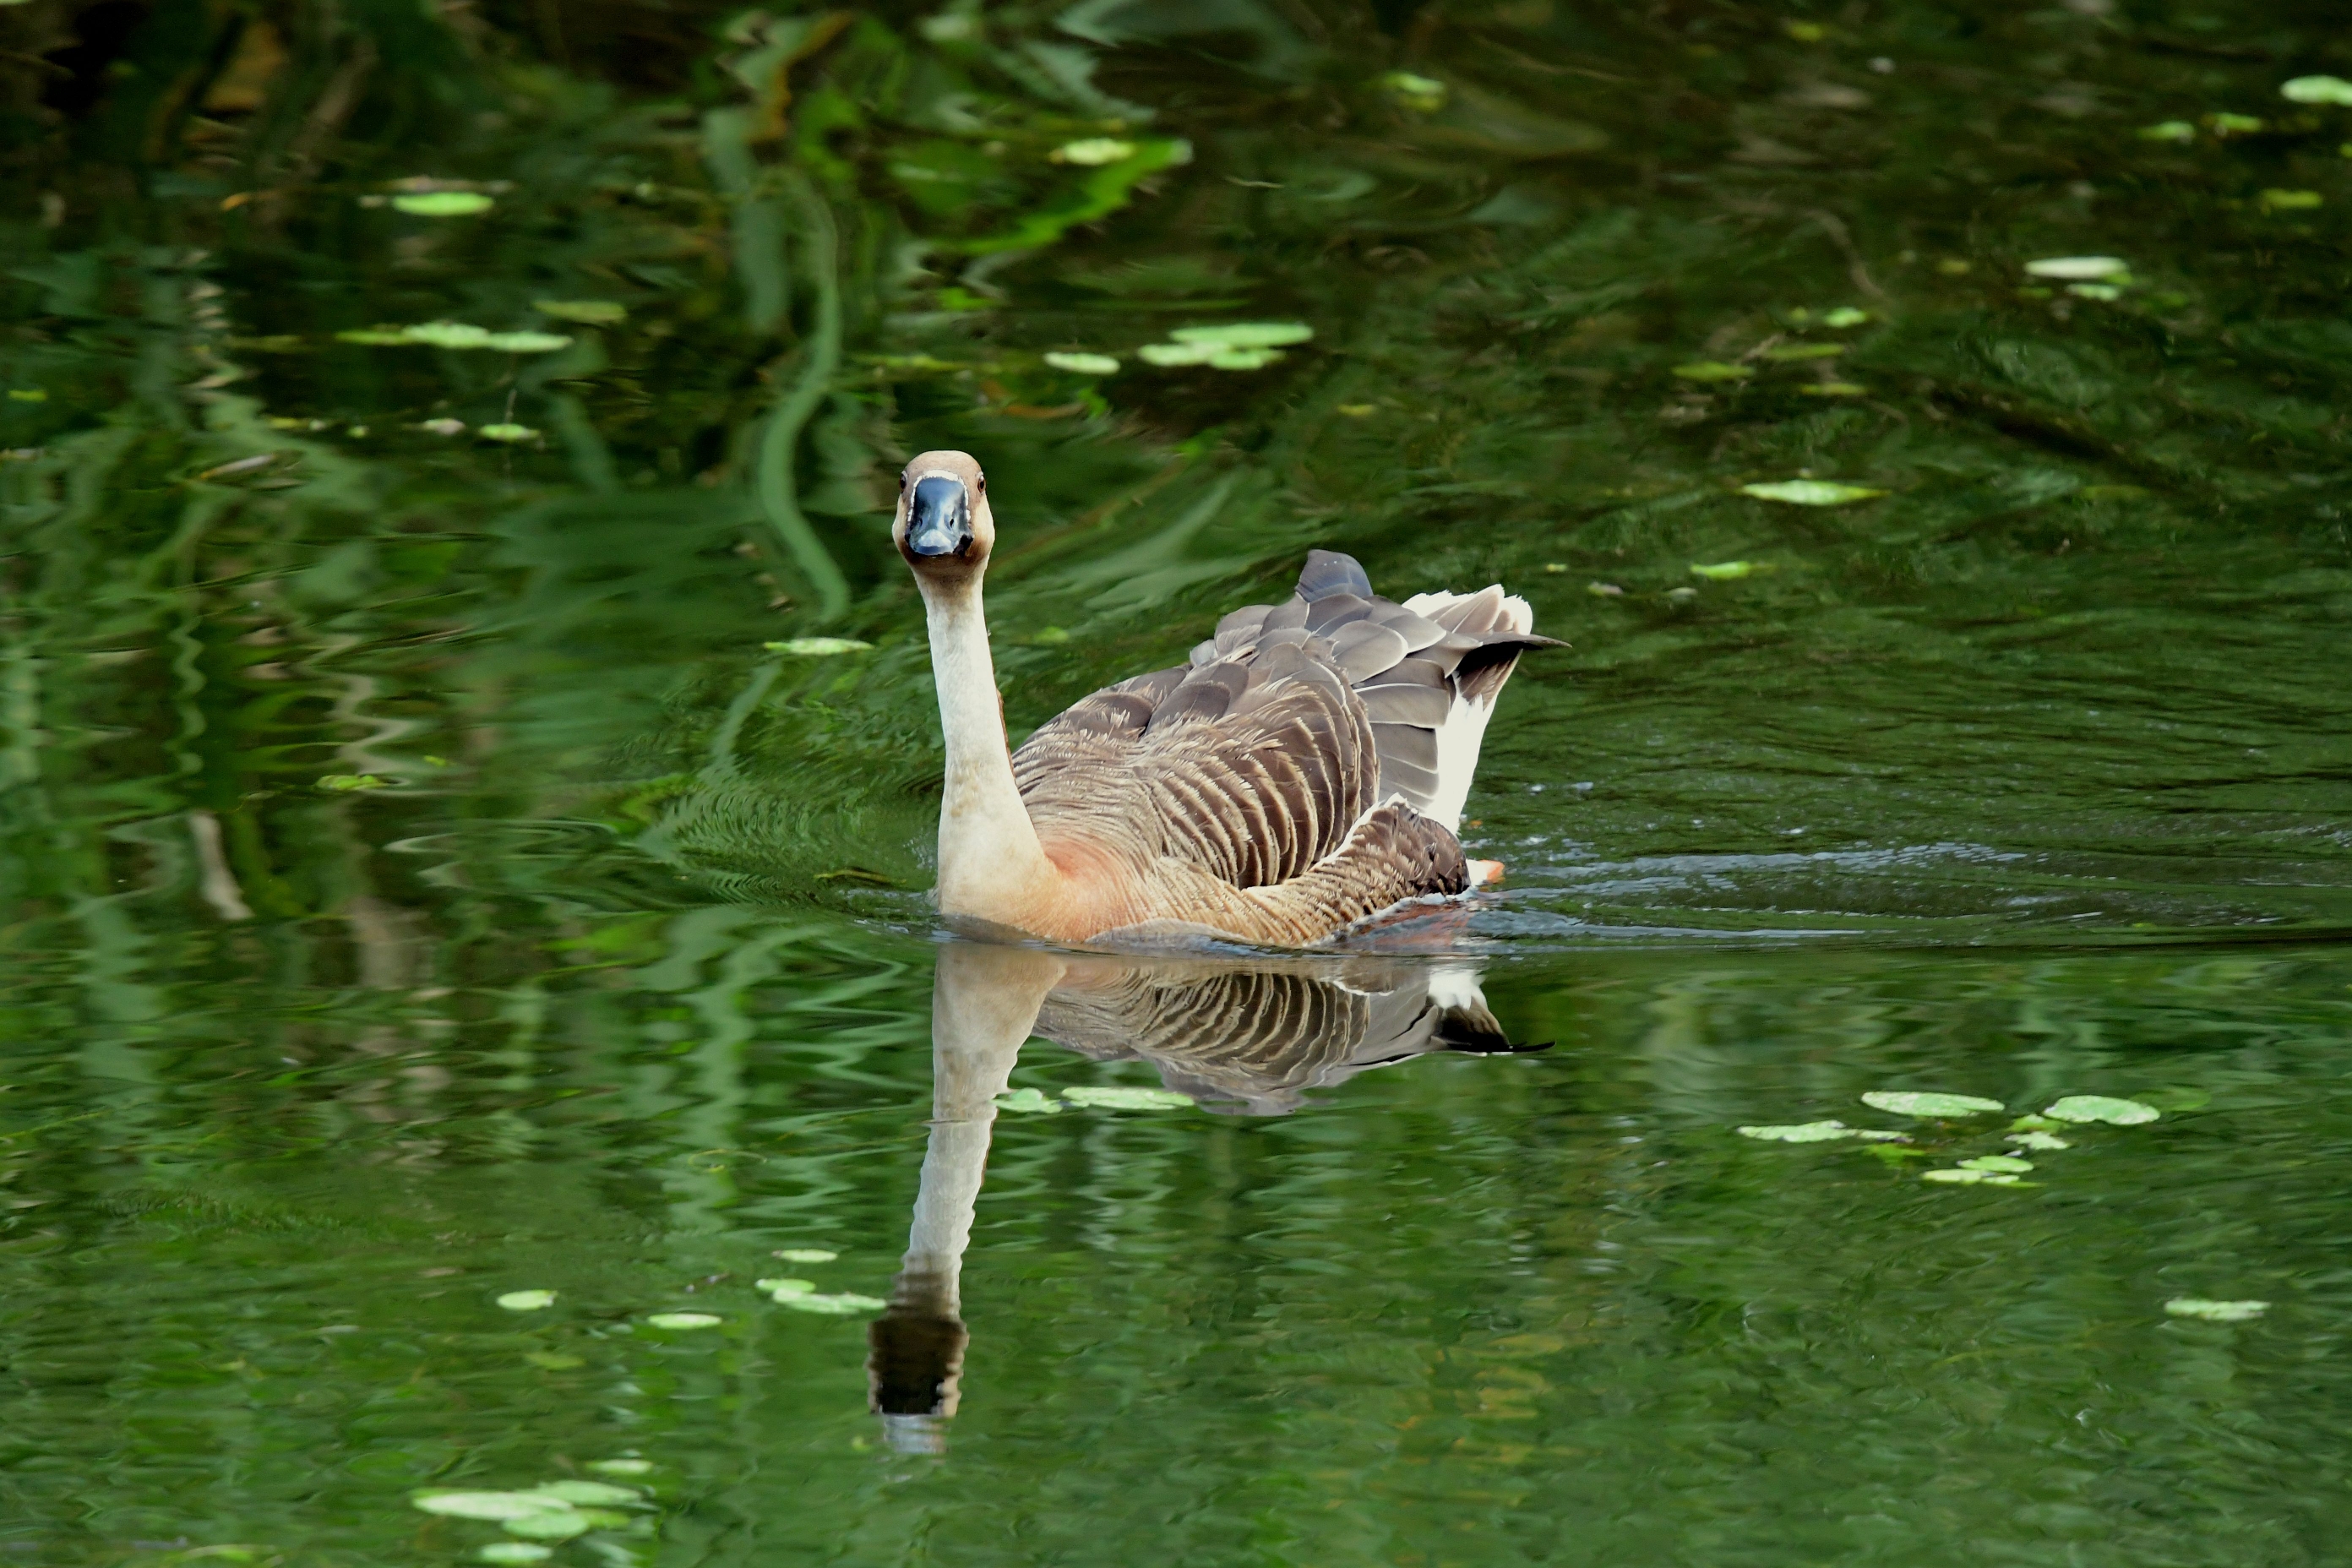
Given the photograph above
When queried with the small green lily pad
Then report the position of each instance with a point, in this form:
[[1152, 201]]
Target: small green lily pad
[[839, 1306], [587, 312], [1963, 1176], [2100, 1107], [1246, 334], [1118, 1096], [527, 343], [2228, 124], [352, 781], [510, 434], [1243, 359], [442, 203], [682, 1321], [514, 1551], [1424, 93], [2081, 268], [622, 1467], [1844, 316], [447, 334], [1726, 571], [2215, 1311], [1798, 1133], [1029, 1102], [2044, 1141], [1834, 389], [1713, 370], [527, 1300], [1909, 1102], [2317, 90], [805, 1254], [1083, 364], [817, 647], [559, 1522], [1790, 353], [553, 1361], [2008, 1163], [1094, 152], [1811, 492], [495, 1506], [782, 1288], [2106, 292], [2292, 201], [600, 1494], [378, 337], [2168, 130], [1167, 354]]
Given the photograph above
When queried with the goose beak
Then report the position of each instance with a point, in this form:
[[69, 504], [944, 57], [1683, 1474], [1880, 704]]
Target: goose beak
[[939, 517]]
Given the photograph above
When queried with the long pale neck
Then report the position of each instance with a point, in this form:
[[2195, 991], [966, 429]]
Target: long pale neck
[[988, 853]]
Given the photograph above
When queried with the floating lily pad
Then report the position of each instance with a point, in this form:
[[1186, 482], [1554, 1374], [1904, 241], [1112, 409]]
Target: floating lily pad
[[601, 1494], [1094, 152], [447, 334], [1963, 1176], [1909, 1102], [587, 312], [1834, 389], [553, 1361], [2045, 1141], [1713, 370], [2100, 1107], [2215, 1311], [2317, 90], [378, 336], [1246, 334], [1844, 316], [2168, 130], [2227, 124], [1243, 359], [2291, 201], [1727, 571], [560, 1522], [1811, 492], [2008, 1163], [841, 1306], [514, 1551], [1788, 353], [1083, 364], [2101, 291], [817, 647], [442, 203], [2086, 268], [496, 1506], [684, 1320], [780, 1288], [805, 1254], [622, 1467], [527, 343], [509, 434], [1167, 354], [1799, 1133], [352, 781], [1118, 1096], [1029, 1102], [527, 1300]]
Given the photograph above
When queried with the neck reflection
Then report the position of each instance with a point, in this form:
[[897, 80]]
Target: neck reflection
[[1244, 1036]]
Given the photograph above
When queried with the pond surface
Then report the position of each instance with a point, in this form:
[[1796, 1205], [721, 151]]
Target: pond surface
[[442, 856]]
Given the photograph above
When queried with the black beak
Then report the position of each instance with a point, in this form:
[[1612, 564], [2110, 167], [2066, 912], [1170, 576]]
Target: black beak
[[939, 517]]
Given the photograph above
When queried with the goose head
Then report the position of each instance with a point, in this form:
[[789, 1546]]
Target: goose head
[[944, 527]]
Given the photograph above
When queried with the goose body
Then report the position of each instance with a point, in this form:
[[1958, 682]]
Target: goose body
[[1306, 770]]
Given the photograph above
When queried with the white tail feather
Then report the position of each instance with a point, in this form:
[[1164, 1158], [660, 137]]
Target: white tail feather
[[1459, 738]]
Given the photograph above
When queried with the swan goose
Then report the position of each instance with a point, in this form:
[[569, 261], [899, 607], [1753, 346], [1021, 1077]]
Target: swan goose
[[1306, 771]]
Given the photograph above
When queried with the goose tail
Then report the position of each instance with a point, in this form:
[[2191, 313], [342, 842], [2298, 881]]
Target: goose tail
[[1507, 625]]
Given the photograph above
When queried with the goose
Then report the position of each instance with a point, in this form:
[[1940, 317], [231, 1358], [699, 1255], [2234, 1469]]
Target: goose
[[1304, 772]]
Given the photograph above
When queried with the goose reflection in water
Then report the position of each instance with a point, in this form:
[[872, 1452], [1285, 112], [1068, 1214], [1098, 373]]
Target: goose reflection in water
[[1249, 1036]]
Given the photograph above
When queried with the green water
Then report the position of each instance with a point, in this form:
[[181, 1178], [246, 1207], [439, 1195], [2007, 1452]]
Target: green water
[[420, 881]]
